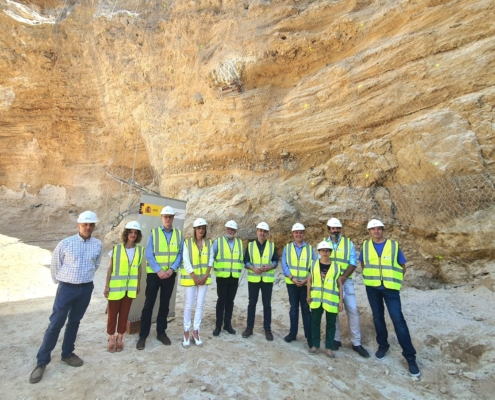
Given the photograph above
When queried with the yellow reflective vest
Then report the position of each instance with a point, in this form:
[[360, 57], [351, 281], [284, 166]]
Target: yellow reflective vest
[[341, 255], [299, 267], [125, 276], [199, 260], [384, 269], [228, 262], [325, 293], [258, 260], [165, 253]]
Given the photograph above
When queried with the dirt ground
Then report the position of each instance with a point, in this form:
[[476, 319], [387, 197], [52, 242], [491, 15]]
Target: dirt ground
[[452, 329]]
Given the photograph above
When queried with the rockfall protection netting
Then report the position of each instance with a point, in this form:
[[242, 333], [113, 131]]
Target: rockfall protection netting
[[432, 204]]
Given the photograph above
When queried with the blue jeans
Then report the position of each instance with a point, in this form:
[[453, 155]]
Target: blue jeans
[[70, 301], [376, 297], [297, 297]]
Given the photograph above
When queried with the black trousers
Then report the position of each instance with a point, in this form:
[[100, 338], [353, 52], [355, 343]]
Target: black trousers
[[266, 297], [166, 287], [226, 291]]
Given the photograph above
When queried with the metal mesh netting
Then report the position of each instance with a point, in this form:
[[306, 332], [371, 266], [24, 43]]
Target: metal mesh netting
[[431, 203]]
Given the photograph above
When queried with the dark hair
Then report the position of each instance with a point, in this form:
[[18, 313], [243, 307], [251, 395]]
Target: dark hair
[[125, 235], [194, 232]]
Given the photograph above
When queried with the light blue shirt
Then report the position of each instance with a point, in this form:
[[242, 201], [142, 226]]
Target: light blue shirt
[[75, 260], [150, 253], [285, 267], [352, 251]]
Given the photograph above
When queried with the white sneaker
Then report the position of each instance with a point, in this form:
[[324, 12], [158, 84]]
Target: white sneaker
[[186, 343], [198, 341]]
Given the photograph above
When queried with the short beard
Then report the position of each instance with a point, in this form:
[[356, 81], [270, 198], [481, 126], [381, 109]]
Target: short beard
[[230, 237], [335, 236]]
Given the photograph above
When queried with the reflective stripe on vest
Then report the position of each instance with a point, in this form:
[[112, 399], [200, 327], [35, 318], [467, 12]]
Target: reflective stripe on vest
[[384, 269], [124, 278], [199, 261], [299, 267], [165, 253], [259, 260], [328, 292], [342, 254], [228, 262]]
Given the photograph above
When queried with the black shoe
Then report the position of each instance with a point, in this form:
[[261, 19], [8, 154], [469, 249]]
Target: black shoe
[[248, 332], [336, 345], [289, 338], [37, 374], [216, 332], [413, 368], [141, 343], [229, 329], [361, 351], [269, 335], [380, 353], [162, 337]]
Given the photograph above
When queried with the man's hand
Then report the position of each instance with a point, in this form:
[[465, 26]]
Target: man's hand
[[343, 279], [162, 274], [106, 291], [257, 271]]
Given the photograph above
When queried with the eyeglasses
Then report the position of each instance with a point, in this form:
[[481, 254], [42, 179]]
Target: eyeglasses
[[168, 216]]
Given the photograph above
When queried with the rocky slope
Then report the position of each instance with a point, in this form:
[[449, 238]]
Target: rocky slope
[[277, 110]]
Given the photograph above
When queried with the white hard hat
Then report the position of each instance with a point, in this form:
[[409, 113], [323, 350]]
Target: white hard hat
[[167, 211], [231, 224], [263, 225], [334, 223], [324, 245], [199, 222], [374, 223], [87, 217], [133, 225], [298, 227]]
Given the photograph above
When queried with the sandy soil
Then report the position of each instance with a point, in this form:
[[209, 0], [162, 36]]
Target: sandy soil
[[452, 329]]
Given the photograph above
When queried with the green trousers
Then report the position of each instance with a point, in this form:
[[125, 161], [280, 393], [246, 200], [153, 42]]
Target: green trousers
[[316, 314]]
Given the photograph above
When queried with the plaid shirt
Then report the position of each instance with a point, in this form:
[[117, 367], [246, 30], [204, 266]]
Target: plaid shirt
[[75, 260]]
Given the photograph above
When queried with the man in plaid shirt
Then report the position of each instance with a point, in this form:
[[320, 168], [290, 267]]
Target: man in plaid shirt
[[74, 262]]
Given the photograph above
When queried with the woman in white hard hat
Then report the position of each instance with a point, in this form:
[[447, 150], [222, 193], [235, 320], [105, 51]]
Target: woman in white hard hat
[[123, 283], [324, 295], [197, 257]]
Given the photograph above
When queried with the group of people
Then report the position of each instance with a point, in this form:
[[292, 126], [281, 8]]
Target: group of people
[[318, 282]]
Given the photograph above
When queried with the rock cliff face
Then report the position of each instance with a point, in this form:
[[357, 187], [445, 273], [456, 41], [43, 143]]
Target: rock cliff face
[[281, 111]]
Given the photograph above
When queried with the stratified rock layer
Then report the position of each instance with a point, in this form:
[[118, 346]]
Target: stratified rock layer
[[281, 111]]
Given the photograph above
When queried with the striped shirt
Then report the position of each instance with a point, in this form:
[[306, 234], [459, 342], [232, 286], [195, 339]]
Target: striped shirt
[[75, 260]]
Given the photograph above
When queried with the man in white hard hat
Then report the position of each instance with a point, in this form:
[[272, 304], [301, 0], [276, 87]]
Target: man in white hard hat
[[74, 262], [163, 256], [344, 254], [297, 258], [229, 259], [260, 259], [384, 267]]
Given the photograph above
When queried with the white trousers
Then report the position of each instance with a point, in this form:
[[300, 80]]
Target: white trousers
[[192, 292], [352, 314]]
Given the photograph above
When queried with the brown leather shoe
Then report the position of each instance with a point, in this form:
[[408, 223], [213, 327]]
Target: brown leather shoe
[[37, 374], [248, 332], [162, 337], [269, 336]]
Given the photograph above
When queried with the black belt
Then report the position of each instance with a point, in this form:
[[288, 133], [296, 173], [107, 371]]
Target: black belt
[[77, 284]]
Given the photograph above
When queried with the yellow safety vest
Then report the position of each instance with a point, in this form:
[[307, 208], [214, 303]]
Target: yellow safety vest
[[124, 278], [342, 254], [384, 269], [328, 292], [259, 260], [299, 267], [199, 260], [228, 262], [165, 253]]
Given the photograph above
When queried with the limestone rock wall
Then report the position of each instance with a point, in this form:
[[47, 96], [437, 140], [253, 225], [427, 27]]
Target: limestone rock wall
[[277, 110]]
